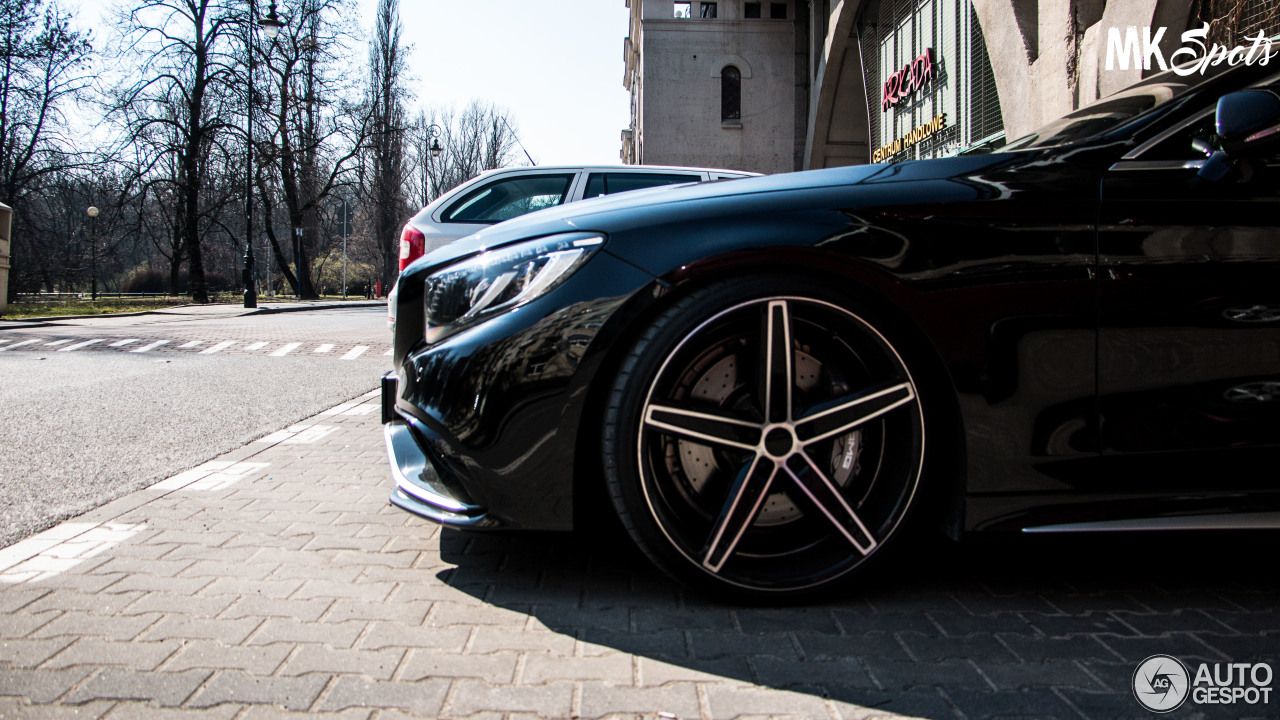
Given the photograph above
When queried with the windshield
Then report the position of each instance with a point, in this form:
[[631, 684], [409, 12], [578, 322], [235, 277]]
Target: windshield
[[1113, 110]]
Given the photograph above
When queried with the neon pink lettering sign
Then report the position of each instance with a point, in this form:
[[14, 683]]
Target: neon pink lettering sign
[[902, 84]]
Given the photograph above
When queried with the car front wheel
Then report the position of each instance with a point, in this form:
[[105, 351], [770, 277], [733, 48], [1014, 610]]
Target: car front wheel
[[763, 438]]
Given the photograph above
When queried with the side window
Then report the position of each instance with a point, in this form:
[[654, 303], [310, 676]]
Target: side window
[[751, 10], [504, 199], [1178, 146], [609, 183]]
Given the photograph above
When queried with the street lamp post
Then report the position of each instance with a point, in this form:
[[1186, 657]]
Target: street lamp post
[[93, 249], [344, 248], [271, 25]]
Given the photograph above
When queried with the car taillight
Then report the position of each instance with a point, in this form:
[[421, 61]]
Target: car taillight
[[412, 245]]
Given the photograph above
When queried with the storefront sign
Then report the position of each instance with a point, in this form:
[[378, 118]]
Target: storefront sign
[[924, 132], [906, 81]]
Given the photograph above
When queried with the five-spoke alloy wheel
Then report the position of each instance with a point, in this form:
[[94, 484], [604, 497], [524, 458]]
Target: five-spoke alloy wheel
[[763, 440]]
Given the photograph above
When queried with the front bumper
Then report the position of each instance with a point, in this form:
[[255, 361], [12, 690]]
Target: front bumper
[[483, 426], [419, 488]]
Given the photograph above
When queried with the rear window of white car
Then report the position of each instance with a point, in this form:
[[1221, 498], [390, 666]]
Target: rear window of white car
[[504, 199], [615, 182]]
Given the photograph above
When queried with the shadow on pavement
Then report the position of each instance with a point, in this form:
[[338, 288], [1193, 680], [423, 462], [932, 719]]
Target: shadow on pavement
[[1013, 626]]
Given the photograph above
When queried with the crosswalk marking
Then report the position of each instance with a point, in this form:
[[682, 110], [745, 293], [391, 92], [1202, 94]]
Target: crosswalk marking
[[79, 345], [72, 344], [152, 346], [355, 352], [17, 345]]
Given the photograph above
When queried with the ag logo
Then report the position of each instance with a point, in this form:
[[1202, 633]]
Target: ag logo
[[1160, 683]]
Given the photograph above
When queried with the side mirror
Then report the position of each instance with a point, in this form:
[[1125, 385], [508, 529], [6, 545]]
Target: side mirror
[[1247, 124], [1247, 121]]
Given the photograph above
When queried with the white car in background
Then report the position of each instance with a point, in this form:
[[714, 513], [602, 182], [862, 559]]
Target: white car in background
[[502, 194]]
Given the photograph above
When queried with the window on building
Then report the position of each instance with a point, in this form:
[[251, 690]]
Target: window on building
[[684, 9], [778, 11], [708, 9], [751, 10], [730, 95]]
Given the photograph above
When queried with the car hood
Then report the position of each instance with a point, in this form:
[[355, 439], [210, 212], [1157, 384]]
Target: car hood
[[595, 215]]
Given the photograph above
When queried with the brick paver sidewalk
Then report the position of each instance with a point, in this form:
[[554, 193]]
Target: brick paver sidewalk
[[277, 580]]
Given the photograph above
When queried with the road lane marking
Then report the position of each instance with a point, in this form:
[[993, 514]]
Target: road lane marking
[[152, 346], [355, 352], [256, 346], [388, 352], [218, 348], [285, 350], [323, 348], [122, 343], [5, 340], [79, 345], [17, 345], [191, 344], [56, 343]]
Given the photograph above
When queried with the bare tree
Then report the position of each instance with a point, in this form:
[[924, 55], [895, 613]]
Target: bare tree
[[178, 104], [43, 68], [479, 138], [316, 131], [384, 170]]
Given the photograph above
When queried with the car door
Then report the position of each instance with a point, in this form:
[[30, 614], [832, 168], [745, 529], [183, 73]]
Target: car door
[[1189, 339]]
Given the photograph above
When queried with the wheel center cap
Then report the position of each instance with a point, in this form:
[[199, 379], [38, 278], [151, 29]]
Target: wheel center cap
[[778, 442]]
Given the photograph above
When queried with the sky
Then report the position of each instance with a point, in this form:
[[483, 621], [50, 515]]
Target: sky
[[555, 65]]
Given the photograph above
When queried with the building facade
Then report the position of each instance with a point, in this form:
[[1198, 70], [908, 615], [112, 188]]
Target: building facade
[[826, 83], [715, 84]]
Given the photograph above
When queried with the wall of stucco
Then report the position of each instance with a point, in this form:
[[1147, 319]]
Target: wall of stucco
[[678, 64]]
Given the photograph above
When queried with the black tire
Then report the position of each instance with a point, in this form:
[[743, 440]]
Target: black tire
[[754, 471]]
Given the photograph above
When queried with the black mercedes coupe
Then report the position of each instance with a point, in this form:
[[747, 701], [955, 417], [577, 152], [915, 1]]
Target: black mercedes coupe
[[766, 378]]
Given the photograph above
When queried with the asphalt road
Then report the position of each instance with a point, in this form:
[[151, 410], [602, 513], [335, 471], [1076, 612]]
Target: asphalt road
[[82, 422]]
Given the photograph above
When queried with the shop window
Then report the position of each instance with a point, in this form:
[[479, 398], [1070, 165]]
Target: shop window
[[778, 11], [684, 9], [751, 10], [730, 96], [708, 10]]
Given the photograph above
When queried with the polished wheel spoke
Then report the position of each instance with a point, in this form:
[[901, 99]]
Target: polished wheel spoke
[[749, 491], [704, 427], [777, 376], [827, 497], [847, 416]]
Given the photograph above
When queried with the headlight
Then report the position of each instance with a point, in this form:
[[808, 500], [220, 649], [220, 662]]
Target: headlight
[[502, 279]]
